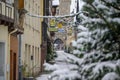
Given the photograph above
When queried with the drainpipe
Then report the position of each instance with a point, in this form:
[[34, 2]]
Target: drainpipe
[[19, 58], [16, 15]]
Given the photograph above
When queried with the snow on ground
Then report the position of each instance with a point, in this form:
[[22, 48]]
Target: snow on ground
[[43, 77], [63, 67]]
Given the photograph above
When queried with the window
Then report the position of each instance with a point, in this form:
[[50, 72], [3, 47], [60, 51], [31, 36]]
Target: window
[[25, 57], [8, 11], [9, 1], [33, 51]]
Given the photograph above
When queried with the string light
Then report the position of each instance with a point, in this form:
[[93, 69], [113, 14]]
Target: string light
[[62, 16], [59, 18]]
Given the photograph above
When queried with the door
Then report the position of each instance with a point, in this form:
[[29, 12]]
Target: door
[[2, 61], [12, 65]]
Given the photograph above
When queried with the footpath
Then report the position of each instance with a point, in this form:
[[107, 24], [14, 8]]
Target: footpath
[[61, 69]]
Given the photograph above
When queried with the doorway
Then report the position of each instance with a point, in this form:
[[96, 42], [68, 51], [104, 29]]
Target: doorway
[[12, 65], [2, 61]]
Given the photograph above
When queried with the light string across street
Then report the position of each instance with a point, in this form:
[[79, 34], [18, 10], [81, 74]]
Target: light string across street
[[60, 16]]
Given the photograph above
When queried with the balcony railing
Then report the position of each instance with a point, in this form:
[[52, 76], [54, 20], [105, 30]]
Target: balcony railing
[[6, 14], [9, 15]]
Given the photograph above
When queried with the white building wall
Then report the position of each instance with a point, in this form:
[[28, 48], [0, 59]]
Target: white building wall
[[8, 11], [5, 40]]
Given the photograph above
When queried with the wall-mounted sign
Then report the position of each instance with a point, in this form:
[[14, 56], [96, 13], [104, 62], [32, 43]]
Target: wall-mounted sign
[[52, 23], [61, 30], [52, 29], [59, 25]]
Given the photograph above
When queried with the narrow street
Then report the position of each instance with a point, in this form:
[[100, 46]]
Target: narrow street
[[59, 39], [61, 69]]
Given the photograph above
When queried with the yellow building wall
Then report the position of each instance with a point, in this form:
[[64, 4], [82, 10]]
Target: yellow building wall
[[31, 39], [4, 38], [41, 19]]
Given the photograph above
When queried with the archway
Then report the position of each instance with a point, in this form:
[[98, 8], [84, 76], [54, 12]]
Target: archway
[[58, 44]]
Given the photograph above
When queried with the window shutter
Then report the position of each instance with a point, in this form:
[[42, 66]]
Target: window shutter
[[21, 4]]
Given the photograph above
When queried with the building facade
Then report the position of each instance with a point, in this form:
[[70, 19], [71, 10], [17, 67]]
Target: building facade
[[31, 39], [6, 26], [44, 32], [65, 33], [9, 30]]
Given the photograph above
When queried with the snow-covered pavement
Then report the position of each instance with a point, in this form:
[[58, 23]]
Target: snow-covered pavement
[[63, 68]]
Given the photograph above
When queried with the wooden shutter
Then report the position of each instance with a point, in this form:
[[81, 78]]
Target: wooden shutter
[[21, 4]]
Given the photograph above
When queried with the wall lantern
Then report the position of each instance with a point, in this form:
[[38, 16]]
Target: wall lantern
[[55, 4]]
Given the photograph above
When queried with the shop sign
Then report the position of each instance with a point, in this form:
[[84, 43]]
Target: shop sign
[[52, 29], [52, 23], [61, 30]]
